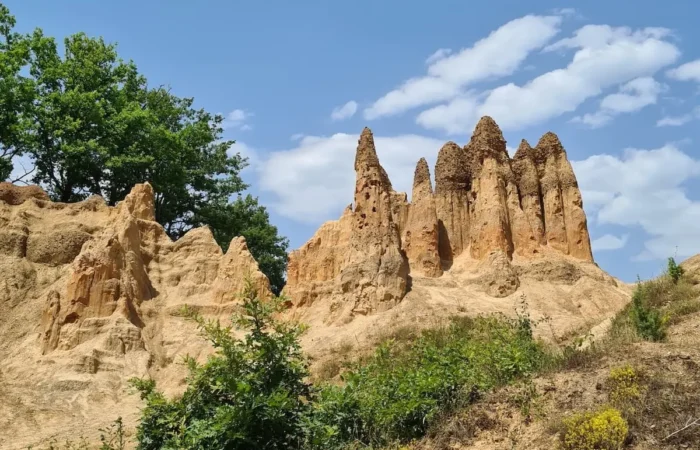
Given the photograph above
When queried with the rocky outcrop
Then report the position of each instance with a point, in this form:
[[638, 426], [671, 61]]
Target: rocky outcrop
[[452, 185], [486, 206], [421, 235], [114, 260], [375, 272], [16, 195], [565, 221], [528, 182]]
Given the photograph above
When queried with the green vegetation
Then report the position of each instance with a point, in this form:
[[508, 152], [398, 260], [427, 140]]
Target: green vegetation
[[659, 302], [649, 321], [253, 392], [674, 270], [600, 430], [92, 126], [250, 394], [400, 391]]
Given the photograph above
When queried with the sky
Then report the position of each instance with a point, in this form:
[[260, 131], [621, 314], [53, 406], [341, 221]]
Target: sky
[[619, 82]]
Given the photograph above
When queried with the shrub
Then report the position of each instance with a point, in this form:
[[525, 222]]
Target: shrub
[[674, 270], [624, 387], [649, 321], [601, 430], [401, 390], [250, 394]]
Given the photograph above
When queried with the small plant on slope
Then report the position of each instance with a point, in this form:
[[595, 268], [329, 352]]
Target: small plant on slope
[[649, 322], [674, 270], [250, 394], [601, 430]]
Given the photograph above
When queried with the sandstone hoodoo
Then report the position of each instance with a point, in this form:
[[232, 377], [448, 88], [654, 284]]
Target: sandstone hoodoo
[[484, 204], [90, 295]]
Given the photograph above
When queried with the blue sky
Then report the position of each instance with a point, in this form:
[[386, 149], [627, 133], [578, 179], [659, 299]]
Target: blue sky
[[617, 81]]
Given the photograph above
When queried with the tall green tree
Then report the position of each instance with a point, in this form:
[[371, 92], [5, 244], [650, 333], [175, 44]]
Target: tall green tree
[[93, 126], [16, 92]]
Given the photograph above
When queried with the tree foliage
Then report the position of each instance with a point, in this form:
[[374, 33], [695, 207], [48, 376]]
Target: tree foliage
[[16, 92], [92, 126]]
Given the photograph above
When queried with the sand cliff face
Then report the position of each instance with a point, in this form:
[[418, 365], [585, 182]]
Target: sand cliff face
[[89, 296], [484, 203]]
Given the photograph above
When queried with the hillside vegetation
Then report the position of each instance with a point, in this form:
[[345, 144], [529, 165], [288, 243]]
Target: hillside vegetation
[[481, 382]]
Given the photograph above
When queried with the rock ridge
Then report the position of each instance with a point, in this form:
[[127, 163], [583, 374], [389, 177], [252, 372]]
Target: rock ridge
[[484, 204]]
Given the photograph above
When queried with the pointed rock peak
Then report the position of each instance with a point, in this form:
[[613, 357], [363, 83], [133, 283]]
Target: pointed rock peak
[[450, 148], [524, 150], [422, 174], [366, 158], [347, 211], [488, 134], [139, 202], [550, 144], [451, 169], [366, 152]]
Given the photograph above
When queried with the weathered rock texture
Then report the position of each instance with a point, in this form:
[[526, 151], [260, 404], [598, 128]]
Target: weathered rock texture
[[89, 296], [421, 234], [486, 206]]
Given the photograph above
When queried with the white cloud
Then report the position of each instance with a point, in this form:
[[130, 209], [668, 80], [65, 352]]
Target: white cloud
[[676, 121], [645, 189], [631, 97], [605, 57], [565, 11], [237, 119], [497, 55], [687, 72], [344, 112], [296, 137], [315, 180], [439, 54], [609, 242]]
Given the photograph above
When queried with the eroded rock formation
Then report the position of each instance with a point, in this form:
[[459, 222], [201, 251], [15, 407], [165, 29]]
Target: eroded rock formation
[[486, 206], [108, 263], [421, 235]]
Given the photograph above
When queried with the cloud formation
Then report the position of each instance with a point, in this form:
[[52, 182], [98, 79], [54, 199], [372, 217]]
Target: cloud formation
[[499, 54], [609, 242], [677, 121], [344, 112], [631, 97], [237, 119], [605, 56], [687, 72], [645, 189]]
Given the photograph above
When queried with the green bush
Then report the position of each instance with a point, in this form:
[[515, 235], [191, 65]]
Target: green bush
[[674, 270], [648, 320], [400, 391], [250, 394], [601, 430]]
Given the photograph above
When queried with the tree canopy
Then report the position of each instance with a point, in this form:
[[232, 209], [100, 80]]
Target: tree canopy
[[92, 126]]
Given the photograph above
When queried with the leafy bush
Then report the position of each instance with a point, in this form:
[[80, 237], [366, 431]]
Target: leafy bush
[[401, 390], [250, 394], [649, 321], [601, 430], [674, 270]]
